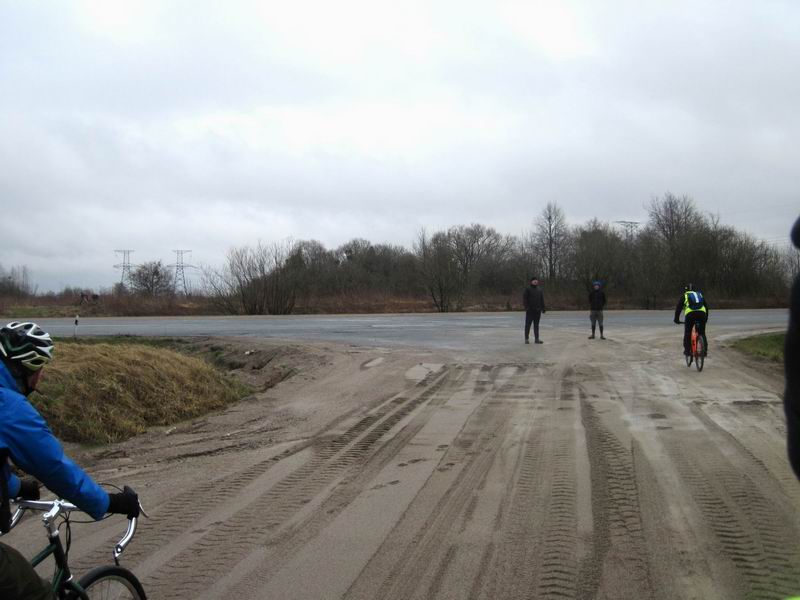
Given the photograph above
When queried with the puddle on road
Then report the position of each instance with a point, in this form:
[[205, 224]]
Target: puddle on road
[[422, 370], [372, 363]]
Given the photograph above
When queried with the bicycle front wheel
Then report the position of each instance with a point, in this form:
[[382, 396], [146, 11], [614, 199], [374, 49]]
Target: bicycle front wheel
[[107, 583]]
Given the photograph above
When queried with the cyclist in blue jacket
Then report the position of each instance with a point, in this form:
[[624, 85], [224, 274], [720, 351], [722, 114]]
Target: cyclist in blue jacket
[[26, 441]]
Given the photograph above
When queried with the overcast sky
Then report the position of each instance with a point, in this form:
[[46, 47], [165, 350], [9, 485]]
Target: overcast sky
[[203, 125]]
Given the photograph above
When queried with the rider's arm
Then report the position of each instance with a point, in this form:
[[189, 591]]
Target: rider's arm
[[36, 451], [678, 310]]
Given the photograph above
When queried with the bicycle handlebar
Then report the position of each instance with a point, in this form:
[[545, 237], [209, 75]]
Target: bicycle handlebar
[[54, 508], [126, 539]]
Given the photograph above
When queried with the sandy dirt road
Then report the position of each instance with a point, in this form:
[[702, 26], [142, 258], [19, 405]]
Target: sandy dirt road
[[577, 469]]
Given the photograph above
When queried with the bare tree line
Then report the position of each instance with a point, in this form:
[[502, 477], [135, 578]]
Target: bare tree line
[[467, 267], [475, 266], [16, 282]]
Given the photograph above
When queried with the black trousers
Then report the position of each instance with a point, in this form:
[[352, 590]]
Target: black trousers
[[18, 580], [532, 316], [700, 318]]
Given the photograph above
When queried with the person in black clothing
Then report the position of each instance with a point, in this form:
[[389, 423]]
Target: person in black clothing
[[533, 300], [695, 310], [791, 356], [597, 301]]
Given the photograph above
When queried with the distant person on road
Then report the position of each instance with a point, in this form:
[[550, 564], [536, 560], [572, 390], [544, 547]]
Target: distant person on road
[[26, 441], [533, 300], [791, 355], [597, 301], [695, 310]]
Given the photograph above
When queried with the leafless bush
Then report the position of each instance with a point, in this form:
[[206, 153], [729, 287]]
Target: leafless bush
[[255, 280]]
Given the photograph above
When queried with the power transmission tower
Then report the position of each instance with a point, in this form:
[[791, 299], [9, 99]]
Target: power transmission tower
[[631, 227], [125, 265], [180, 273]]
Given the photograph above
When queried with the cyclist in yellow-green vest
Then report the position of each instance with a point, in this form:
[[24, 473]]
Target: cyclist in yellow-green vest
[[695, 310]]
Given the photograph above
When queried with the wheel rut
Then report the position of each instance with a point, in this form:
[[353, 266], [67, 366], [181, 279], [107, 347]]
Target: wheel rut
[[618, 535], [537, 546], [232, 539], [763, 551]]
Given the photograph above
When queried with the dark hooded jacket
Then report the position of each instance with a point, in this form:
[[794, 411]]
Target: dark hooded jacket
[[791, 398], [533, 298], [597, 299]]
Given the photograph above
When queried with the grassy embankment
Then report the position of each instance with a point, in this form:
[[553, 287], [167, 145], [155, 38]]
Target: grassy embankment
[[768, 346], [108, 390]]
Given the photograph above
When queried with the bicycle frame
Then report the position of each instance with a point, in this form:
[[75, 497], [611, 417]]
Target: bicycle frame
[[63, 584], [63, 581]]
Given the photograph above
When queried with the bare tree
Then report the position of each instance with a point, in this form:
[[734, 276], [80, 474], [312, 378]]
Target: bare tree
[[649, 269], [256, 281], [472, 247], [551, 237], [438, 268], [599, 253], [152, 279], [673, 217], [791, 262], [16, 282]]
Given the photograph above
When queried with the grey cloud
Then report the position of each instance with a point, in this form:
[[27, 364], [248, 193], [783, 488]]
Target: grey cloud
[[220, 129]]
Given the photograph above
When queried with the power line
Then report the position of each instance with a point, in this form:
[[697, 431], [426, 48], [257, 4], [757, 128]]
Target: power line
[[180, 271], [125, 265], [631, 227]]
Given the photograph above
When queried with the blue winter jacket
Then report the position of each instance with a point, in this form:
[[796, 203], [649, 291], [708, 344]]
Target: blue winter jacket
[[34, 449]]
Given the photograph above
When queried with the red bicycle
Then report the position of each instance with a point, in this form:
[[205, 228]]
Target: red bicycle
[[697, 354]]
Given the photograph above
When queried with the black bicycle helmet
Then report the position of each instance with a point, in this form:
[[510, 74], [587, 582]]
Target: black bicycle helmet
[[26, 345]]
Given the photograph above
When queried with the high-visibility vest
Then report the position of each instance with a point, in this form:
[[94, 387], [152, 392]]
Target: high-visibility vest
[[692, 297]]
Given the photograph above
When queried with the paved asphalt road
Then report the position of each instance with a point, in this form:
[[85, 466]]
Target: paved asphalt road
[[452, 331]]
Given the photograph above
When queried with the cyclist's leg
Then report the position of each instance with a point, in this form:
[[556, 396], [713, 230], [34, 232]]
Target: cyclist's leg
[[687, 333], [701, 328], [18, 580]]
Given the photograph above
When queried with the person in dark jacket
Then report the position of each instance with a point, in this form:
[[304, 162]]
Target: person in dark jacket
[[695, 310], [597, 301], [791, 356], [26, 440], [533, 300]]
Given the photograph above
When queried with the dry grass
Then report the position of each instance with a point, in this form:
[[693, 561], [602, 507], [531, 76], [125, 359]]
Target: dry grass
[[768, 346], [103, 393]]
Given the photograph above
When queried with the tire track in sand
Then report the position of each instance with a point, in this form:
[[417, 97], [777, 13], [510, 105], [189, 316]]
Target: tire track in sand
[[198, 565], [177, 524], [762, 547], [619, 548], [537, 549], [426, 553]]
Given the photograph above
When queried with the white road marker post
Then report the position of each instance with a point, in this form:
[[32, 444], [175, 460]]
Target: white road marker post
[[75, 334]]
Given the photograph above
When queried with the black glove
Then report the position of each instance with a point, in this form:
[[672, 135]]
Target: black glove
[[28, 489], [125, 503], [677, 321]]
